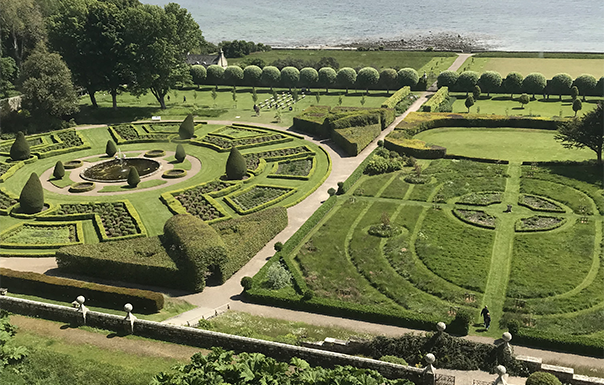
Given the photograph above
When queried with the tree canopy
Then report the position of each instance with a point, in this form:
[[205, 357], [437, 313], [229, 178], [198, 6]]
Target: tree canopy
[[327, 77], [367, 77], [534, 83], [587, 131], [408, 77], [447, 79], [346, 77]]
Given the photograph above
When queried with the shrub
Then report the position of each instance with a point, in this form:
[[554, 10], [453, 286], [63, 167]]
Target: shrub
[[59, 171], [447, 79], [396, 97], [133, 177], [331, 191], [180, 154], [542, 378], [198, 74], [20, 148], [461, 324], [340, 188], [437, 101], [187, 128], [466, 81], [31, 199], [394, 360], [278, 246], [247, 282], [308, 295], [408, 77], [235, 166], [277, 276], [110, 148]]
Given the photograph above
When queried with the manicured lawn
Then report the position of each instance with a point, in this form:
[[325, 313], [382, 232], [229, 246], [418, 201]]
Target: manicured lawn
[[548, 67], [503, 143]]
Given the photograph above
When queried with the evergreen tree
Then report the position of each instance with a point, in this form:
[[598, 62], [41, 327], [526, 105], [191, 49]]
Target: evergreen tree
[[110, 148], [59, 171], [31, 199], [133, 177], [235, 166], [469, 102], [180, 154], [187, 128], [20, 148]]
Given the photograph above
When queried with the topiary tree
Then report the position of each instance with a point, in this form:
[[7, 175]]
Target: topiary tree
[[187, 128], [270, 76], [327, 77], [577, 106], [247, 282], [133, 177], [388, 79], [513, 83], [215, 75], [524, 99], [233, 75], [542, 378], [110, 148], [408, 77], [309, 77], [574, 92], [251, 75], [534, 83], [490, 81], [20, 148], [560, 84], [476, 92], [290, 76], [59, 171], [466, 81], [198, 74], [180, 154], [346, 78], [586, 84], [367, 77], [31, 200], [447, 79], [235, 166], [469, 102]]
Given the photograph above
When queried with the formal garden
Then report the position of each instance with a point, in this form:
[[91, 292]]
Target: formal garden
[[496, 222]]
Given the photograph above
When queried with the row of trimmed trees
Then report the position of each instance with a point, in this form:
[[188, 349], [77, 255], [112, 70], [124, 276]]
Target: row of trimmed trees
[[367, 78], [514, 83]]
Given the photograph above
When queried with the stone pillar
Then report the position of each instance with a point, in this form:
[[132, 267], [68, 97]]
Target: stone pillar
[[429, 373], [507, 337], [441, 327], [129, 320], [501, 372], [81, 311]]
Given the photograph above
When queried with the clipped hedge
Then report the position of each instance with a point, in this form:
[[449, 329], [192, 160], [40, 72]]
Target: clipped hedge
[[64, 289], [437, 101], [12, 168], [397, 97], [311, 121], [578, 344], [240, 210], [413, 147], [353, 140], [78, 233]]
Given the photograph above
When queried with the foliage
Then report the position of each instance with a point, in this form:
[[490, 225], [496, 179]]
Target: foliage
[[397, 97], [110, 148], [20, 148], [327, 77], [561, 84], [9, 354], [577, 106], [290, 76], [198, 74], [309, 77], [252, 75], [215, 74], [235, 166], [469, 102], [233, 75], [512, 83], [587, 131], [31, 200], [524, 99], [277, 277], [574, 92], [187, 128], [542, 378], [534, 83], [133, 177], [239, 48], [346, 78], [270, 76], [447, 79], [586, 84], [466, 81], [389, 79], [490, 81], [247, 282], [438, 101], [476, 92], [367, 77], [59, 170], [408, 77], [180, 153]]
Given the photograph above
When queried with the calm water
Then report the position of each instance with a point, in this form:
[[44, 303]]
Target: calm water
[[532, 25]]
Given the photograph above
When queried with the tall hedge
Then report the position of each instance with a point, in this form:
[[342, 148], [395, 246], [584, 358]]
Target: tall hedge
[[110, 148], [20, 148], [199, 246], [187, 128], [31, 199], [59, 171], [235, 166]]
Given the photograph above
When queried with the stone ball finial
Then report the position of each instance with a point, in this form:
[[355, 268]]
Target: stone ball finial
[[441, 326], [80, 299], [507, 337], [429, 358], [500, 369], [128, 308]]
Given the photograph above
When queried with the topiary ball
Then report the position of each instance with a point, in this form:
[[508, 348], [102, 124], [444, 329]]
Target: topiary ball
[[247, 282], [542, 378]]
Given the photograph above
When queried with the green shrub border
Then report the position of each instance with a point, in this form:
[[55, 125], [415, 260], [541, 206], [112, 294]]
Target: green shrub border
[[212, 146], [229, 198], [113, 297], [357, 173], [81, 187], [457, 202], [79, 235], [274, 174], [518, 229], [176, 208], [14, 211], [436, 101], [268, 129], [72, 167], [170, 173], [120, 140], [10, 195], [155, 154], [84, 146], [11, 171], [396, 97], [564, 342]]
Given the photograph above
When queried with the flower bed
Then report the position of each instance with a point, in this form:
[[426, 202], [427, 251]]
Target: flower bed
[[475, 217], [200, 206], [223, 143], [237, 132], [174, 173], [481, 198], [415, 179], [81, 187], [6, 201], [299, 167], [253, 160], [539, 204], [384, 231], [128, 133], [155, 153], [42, 234], [70, 165], [539, 223], [257, 197]]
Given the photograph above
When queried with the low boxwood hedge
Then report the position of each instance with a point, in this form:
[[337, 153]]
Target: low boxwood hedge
[[578, 344], [396, 97], [437, 101], [64, 289], [11, 168]]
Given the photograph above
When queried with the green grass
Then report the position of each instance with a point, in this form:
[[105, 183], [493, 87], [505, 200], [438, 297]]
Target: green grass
[[503, 143], [397, 188], [370, 185], [141, 186], [62, 183], [354, 59], [547, 66], [572, 198]]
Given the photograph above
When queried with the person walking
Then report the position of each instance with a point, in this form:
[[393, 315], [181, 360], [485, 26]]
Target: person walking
[[487, 320], [483, 314]]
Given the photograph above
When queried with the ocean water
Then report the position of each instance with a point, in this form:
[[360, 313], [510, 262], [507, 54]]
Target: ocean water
[[523, 25]]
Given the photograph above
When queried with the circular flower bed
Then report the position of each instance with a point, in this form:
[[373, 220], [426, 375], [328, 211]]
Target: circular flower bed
[[73, 164], [174, 173], [539, 223], [155, 153], [475, 217], [81, 187]]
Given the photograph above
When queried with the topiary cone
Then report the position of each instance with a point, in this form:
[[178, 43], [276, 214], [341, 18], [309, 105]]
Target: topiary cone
[[110, 148], [59, 171], [20, 148], [187, 128], [133, 177], [180, 154], [31, 199], [235, 166]]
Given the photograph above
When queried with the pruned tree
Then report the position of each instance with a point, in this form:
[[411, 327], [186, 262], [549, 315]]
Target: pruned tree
[[574, 92], [476, 92], [198, 74], [346, 78], [308, 77], [524, 99], [215, 75], [31, 200], [469, 102], [327, 78], [59, 171], [187, 128], [290, 76], [577, 106], [233, 75], [388, 79], [236, 167], [561, 84], [20, 150], [180, 153], [490, 81], [447, 79], [534, 83], [408, 77], [586, 131], [251, 75], [367, 77], [512, 83], [110, 148], [466, 81], [270, 76], [586, 84], [133, 177]]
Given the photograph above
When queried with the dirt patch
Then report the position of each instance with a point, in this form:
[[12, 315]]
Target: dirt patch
[[103, 339]]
